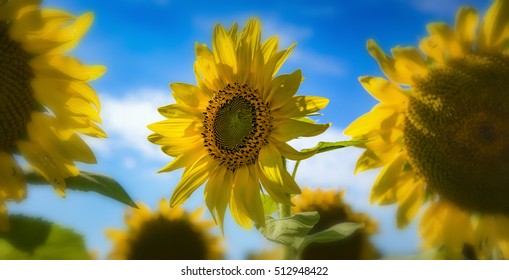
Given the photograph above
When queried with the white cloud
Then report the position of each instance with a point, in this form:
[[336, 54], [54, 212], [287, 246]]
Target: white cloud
[[287, 33], [125, 120], [318, 63]]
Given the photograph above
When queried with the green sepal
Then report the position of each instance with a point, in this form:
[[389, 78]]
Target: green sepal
[[35, 239], [88, 182]]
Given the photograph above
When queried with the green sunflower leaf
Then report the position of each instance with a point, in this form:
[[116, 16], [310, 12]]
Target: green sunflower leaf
[[35, 239], [323, 147], [334, 233], [89, 182], [290, 231]]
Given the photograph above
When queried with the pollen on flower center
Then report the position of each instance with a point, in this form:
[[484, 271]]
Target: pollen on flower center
[[457, 132], [237, 124], [16, 97]]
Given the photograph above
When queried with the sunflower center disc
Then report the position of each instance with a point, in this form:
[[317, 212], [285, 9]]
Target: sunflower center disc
[[237, 124], [457, 132], [16, 98], [162, 239]]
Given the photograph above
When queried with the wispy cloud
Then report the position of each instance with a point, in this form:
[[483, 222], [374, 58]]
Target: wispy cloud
[[319, 63], [125, 120]]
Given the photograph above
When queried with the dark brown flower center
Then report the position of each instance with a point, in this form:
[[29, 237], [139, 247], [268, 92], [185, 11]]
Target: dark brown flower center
[[237, 124], [457, 132], [163, 239], [16, 96]]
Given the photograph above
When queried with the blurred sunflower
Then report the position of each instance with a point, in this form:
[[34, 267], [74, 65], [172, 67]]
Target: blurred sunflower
[[166, 234], [231, 129], [333, 210], [441, 133], [44, 97], [272, 253]]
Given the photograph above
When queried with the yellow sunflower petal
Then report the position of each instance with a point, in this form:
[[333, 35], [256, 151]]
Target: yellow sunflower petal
[[409, 63], [238, 214], [494, 30], [467, 20], [251, 35], [9, 9], [193, 177], [269, 47], [383, 90], [288, 129], [224, 53], [205, 68], [44, 163], [246, 191], [183, 160], [65, 67], [12, 182], [180, 111], [217, 193], [370, 121], [388, 64], [190, 95], [446, 39], [283, 87], [276, 61], [301, 106], [410, 204], [234, 31], [387, 179], [58, 34], [290, 153], [271, 165]]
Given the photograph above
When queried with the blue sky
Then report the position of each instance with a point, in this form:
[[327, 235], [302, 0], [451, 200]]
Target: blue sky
[[146, 44]]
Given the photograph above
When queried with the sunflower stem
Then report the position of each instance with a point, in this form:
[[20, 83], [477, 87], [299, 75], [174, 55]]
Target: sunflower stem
[[285, 212]]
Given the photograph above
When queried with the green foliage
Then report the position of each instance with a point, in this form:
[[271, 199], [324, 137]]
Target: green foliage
[[334, 233], [323, 147], [293, 231], [289, 231], [89, 182], [35, 239]]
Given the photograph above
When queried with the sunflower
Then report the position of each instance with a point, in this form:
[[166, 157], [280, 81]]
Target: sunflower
[[166, 234], [44, 97], [441, 133], [232, 127], [271, 253], [333, 210]]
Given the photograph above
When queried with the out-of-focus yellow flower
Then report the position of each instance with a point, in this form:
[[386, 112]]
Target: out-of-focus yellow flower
[[231, 129], [165, 234], [44, 97], [333, 210], [441, 133]]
